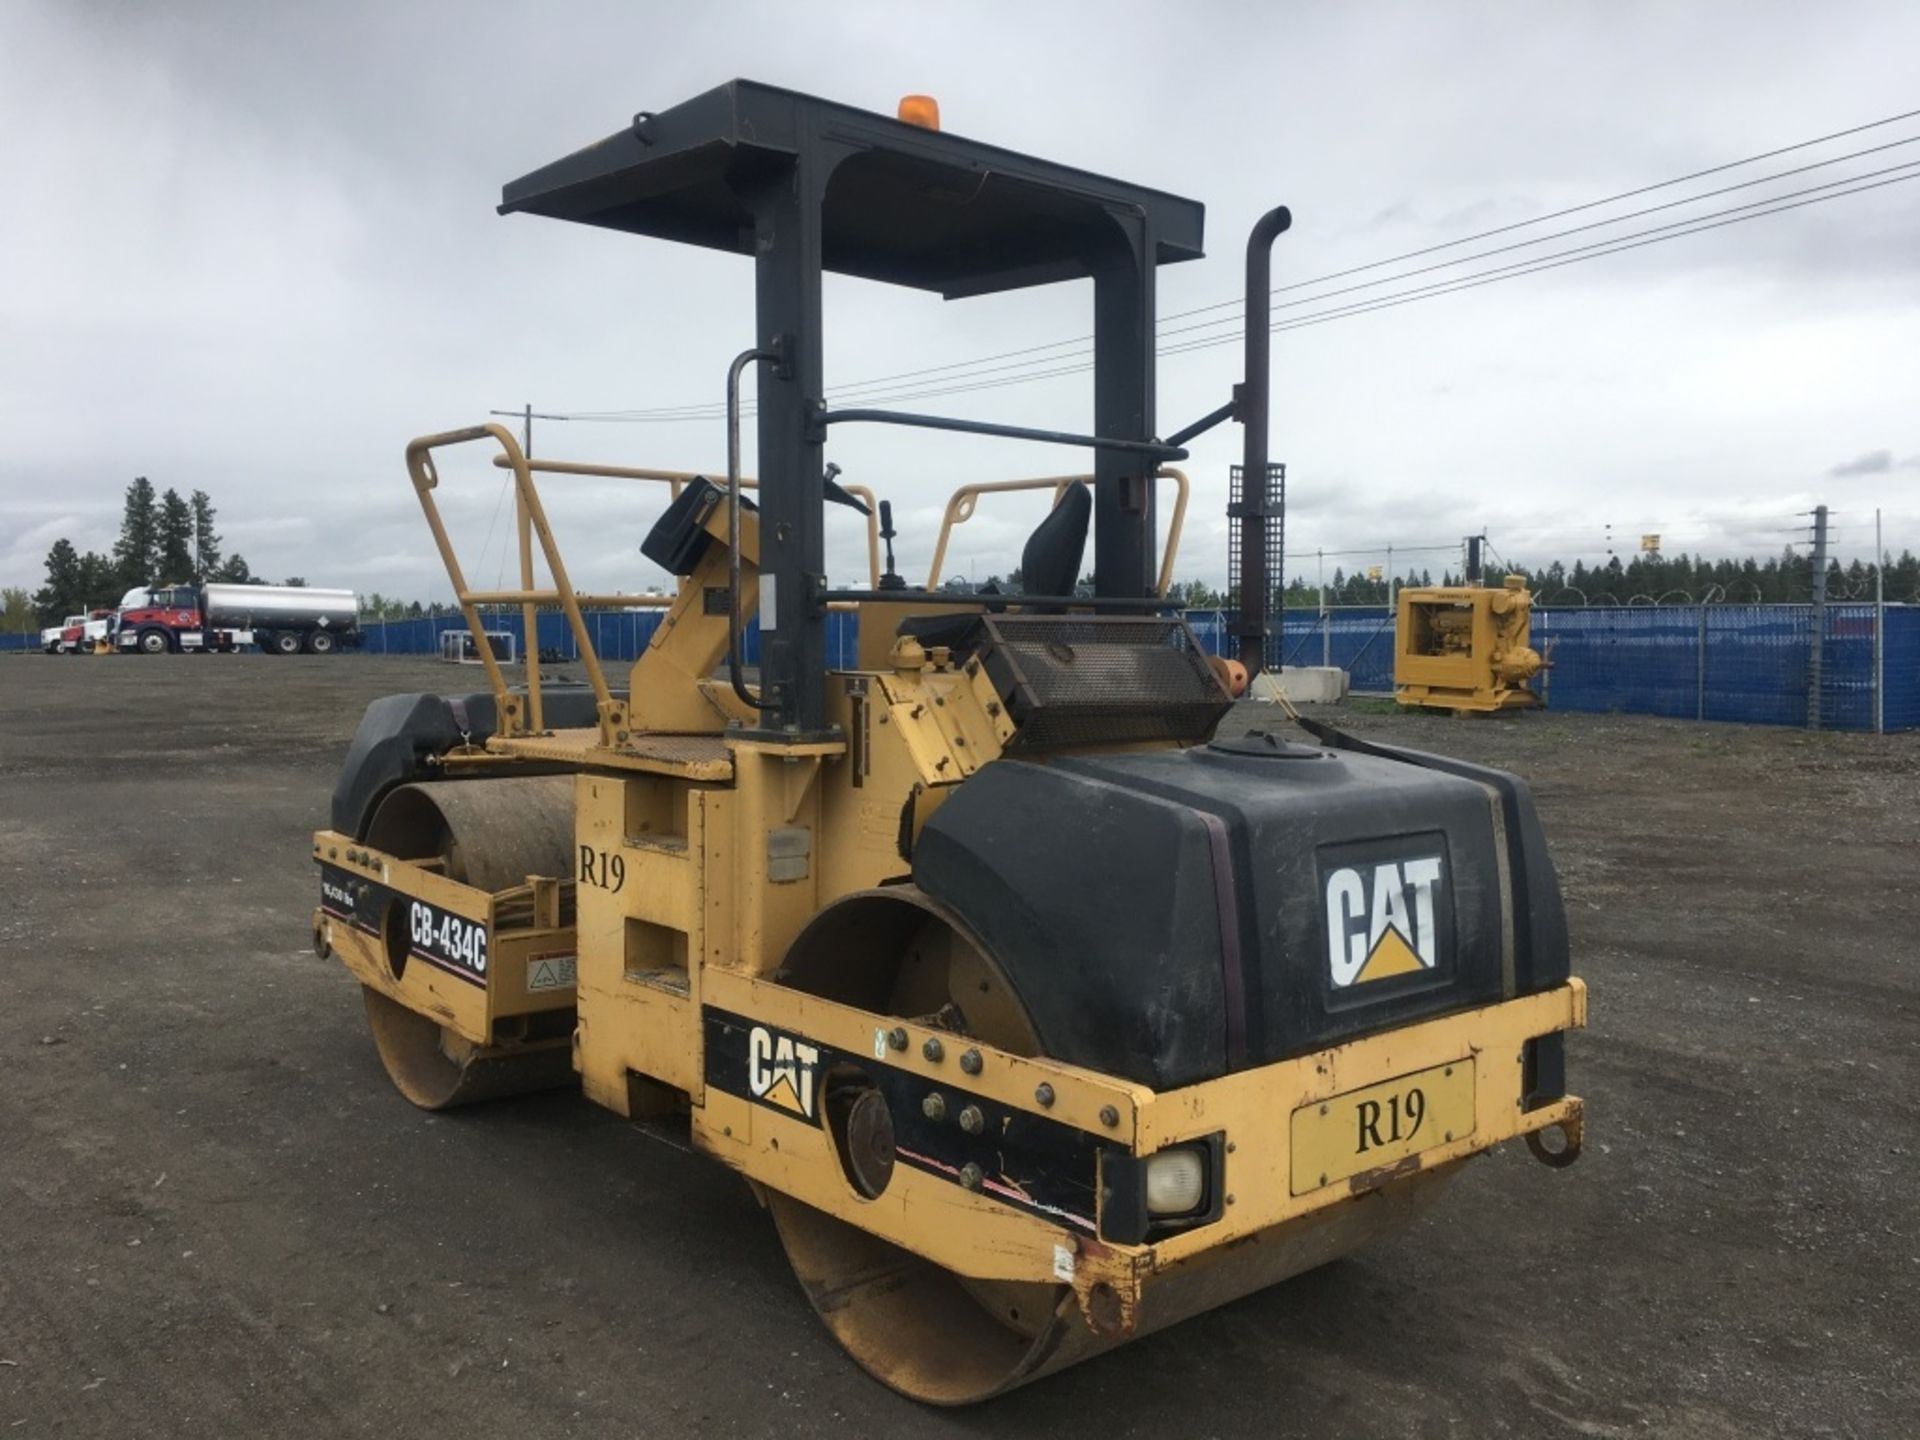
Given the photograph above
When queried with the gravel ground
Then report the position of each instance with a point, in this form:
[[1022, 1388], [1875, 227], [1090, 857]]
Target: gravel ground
[[216, 1216]]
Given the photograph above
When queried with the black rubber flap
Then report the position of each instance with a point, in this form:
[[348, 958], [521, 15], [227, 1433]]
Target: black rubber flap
[[399, 733]]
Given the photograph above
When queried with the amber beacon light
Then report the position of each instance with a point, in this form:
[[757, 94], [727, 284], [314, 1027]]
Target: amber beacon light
[[921, 110]]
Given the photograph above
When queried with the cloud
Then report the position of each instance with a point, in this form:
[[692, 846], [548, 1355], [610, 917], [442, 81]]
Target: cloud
[[1873, 462], [291, 264]]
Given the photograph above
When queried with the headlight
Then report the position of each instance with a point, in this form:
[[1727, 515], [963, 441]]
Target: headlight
[[1177, 1180]]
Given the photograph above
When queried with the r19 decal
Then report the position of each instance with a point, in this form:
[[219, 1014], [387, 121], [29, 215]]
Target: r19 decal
[[599, 868], [1398, 1116], [449, 941]]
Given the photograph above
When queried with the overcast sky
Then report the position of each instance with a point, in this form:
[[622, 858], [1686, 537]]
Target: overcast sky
[[252, 249]]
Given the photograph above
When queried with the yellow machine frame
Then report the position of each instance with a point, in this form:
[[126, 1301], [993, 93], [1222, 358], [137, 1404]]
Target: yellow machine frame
[[700, 856]]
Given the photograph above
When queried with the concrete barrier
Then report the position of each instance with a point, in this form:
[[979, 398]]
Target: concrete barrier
[[1301, 684]]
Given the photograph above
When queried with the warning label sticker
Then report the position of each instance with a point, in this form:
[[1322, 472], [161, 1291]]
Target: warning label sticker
[[551, 972]]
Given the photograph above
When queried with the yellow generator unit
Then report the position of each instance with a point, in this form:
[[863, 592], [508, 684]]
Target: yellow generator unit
[[1466, 647], [1037, 1015]]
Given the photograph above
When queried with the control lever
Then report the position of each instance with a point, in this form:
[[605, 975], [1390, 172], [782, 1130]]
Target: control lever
[[890, 580], [839, 495]]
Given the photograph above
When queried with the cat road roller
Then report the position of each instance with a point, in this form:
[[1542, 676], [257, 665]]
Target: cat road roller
[[1038, 1016]]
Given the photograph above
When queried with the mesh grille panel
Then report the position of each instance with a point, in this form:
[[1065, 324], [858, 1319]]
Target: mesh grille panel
[[1276, 549], [1089, 680]]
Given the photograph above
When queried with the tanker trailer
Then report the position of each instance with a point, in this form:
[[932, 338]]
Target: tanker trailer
[[280, 619]]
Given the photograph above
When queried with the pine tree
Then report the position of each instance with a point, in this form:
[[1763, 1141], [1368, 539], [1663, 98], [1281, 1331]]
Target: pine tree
[[99, 581], [137, 551], [233, 571], [1903, 578], [58, 598], [206, 541], [174, 540]]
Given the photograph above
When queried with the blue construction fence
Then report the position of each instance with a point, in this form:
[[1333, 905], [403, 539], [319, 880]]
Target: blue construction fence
[[616, 635], [1749, 664], [1744, 663]]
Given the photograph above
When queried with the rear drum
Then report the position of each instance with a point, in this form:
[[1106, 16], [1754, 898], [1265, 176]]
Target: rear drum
[[922, 1329], [491, 835], [947, 1339]]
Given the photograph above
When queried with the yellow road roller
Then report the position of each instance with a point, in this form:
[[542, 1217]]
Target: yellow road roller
[[1037, 1014]]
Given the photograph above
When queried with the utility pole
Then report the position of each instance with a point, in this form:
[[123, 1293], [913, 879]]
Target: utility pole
[[1879, 629], [529, 612], [1326, 615], [1817, 626], [526, 415]]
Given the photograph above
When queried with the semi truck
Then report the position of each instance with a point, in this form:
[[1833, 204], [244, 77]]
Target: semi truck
[[65, 637], [78, 634], [96, 635], [280, 619]]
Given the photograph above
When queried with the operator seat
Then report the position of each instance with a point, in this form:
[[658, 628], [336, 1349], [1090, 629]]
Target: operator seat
[[1049, 565]]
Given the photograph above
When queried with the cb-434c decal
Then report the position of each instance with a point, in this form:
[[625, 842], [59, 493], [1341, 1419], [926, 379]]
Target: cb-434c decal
[[452, 942], [438, 937]]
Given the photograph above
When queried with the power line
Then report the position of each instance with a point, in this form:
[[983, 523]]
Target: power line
[[1613, 245], [1579, 254], [1371, 550], [1616, 246], [1508, 272], [973, 365], [1613, 220], [704, 410], [845, 391], [1595, 204]]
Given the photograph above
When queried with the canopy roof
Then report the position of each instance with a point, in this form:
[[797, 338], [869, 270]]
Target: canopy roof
[[903, 204]]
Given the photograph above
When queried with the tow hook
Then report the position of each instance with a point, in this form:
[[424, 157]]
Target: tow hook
[[1563, 1148]]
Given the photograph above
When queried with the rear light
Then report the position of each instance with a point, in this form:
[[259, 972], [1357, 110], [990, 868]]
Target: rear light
[[1143, 1198], [1176, 1181]]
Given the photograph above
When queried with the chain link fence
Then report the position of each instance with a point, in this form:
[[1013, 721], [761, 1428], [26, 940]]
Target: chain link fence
[[1750, 664], [616, 635]]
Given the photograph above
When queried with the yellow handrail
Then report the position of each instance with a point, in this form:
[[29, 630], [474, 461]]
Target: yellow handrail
[[960, 508], [615, 601], [531, 523], [532, 518], [676, 478]]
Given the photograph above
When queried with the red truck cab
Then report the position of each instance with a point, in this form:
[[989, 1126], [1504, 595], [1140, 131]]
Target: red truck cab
[[63, 638], [167, 618]]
